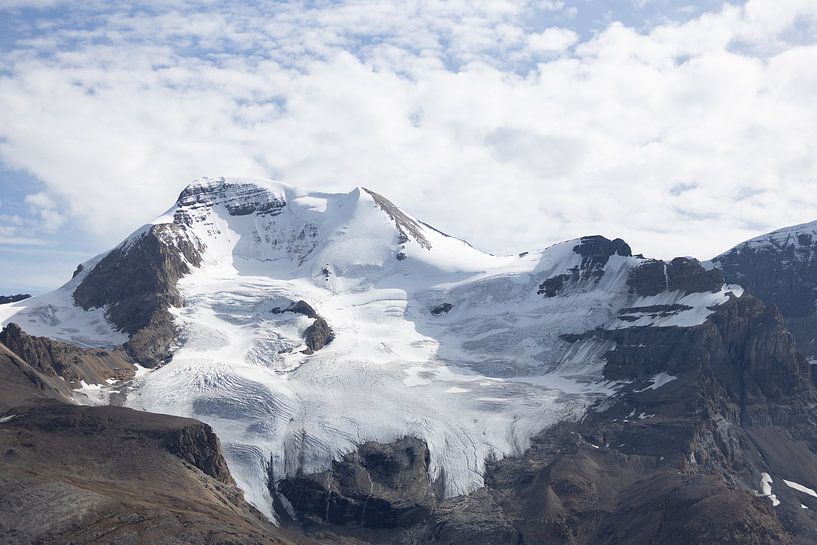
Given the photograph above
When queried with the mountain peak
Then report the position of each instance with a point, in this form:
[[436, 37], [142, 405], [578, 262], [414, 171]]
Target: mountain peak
[[803, 234], [359, 234], [240, 196]]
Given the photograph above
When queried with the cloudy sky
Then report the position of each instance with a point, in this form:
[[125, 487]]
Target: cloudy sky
[[681, 127]]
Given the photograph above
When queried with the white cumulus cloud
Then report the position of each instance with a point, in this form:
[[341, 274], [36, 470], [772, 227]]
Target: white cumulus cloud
[[552, 39], [684, 138]]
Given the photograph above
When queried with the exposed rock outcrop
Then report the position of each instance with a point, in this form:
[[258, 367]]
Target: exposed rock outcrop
[[71, 474], [443, 308], [676, 463], [475, 519], [595, 251], [681, 274], [377, 486], [21, 384], [136, 283], [781, 269], [4, 299], [318, 334], [302, 307], [239, 199], [407, 226], [58, 359], [674, 460], [198, 445]]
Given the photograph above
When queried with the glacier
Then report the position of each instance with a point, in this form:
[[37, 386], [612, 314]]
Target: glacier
[[432, 337]]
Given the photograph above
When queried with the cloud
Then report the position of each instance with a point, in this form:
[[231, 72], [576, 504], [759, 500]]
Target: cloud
[[552, 39], [12, 4], [46, 208], [20, 241], [683, 138]]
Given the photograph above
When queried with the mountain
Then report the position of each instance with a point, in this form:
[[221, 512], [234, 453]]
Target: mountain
[[371, 378], [781, 268], [13, 298]]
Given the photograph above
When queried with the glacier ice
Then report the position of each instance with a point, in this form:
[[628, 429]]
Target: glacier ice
[[476, 382]]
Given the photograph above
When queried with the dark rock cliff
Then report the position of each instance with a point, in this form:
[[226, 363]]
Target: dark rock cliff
[[198, 445], [595, 251], [239, 199], [318, 334], [677, 462], [377, 486], [4, 299], [781, 271], [136, 283], [680, 274], [21, 384], [58, 359]]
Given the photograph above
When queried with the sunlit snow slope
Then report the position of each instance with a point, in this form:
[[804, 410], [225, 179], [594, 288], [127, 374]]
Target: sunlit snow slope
[[432, 338]]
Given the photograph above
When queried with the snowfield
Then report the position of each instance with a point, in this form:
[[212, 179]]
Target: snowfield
[[55, 315], [433, 338]]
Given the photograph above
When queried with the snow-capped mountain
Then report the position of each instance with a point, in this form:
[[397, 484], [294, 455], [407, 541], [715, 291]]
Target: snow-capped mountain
[[781, 268], [371, 379], [301, 325]]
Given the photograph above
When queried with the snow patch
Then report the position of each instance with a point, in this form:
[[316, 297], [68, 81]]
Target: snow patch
[[766, 489], [661, 379], [456, 390], [801, 488], [55, 315], [141, 371], [92, 394]]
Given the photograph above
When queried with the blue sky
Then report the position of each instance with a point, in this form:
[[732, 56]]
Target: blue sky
[[682, 127]]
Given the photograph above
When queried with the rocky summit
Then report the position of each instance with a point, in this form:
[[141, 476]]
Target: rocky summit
[[267, 364]]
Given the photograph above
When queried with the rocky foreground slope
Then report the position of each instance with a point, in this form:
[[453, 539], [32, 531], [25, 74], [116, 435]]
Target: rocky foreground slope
[[74, 474], [373, 380]]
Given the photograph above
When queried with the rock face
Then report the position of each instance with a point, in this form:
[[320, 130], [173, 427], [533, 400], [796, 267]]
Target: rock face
[[676, 457], [443, 308], [58, 359], [21, 384], [681, 274], [781, 269], [406, 225], [318, 334], [378, 486], [595, 251], [676, 463], [13, 298], [239, 199], [136, 283], [72, 474], [199, 446]]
